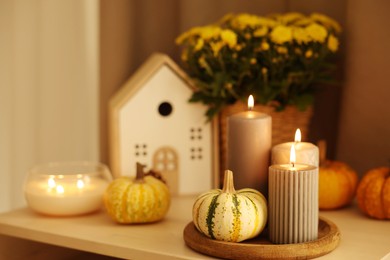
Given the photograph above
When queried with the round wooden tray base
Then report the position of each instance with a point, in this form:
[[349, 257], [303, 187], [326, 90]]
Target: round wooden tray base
[[261, 248]]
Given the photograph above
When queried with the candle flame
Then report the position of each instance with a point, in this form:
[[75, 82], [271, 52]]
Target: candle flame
[[51, 182], [60, 189], [292, 155], [298, 135], [80, 184], [251, 102]]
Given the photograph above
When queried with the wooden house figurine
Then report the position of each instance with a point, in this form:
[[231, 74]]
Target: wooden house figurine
[[152, 122]]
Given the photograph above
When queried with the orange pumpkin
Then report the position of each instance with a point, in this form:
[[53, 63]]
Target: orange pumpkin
[[373, 193], [337, 185]]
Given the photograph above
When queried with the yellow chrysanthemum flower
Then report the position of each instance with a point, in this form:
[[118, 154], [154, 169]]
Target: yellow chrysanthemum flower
[[288, 18], [300, 35], [308, 54], [282, 50], [303, 22], [316, 32], [226, 18], [216, 47], [260, 32], [243, 21], [264, 21], [202, 62], [229, 37], [238, 47], [182, 37], [333, 43], [327, 21], [264, 46], [209, 32], [199, 44], [192, 33], [281, 34]]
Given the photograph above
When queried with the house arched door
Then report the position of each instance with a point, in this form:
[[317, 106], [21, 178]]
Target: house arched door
[[166, 161]]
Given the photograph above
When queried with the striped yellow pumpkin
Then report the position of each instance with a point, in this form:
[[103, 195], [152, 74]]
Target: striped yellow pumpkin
[[230, 215], [141, 199]]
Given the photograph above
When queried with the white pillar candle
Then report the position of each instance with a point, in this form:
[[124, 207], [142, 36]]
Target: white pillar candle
[[306, 153], [249, 138], [293, 203]]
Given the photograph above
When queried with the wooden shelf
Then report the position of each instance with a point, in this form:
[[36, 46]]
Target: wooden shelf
[[361, 237]]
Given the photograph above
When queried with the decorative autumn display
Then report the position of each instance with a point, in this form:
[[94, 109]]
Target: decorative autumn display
[[337, 182], [142, 199], [373, 193], [230, 215]]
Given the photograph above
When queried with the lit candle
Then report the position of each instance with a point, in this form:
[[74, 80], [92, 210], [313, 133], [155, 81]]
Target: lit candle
[[306, 153], [249, 137], [293, 202], [66, 194]]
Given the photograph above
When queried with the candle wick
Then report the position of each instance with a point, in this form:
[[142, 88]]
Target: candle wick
[[293, 164]]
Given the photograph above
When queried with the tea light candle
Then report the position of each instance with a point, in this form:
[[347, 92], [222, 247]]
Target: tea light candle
[[64, 194], [249, 137], [306, 153], [293, 202]]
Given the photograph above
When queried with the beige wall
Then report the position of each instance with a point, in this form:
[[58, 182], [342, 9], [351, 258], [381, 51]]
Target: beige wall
[[116, 58], [364, 129]]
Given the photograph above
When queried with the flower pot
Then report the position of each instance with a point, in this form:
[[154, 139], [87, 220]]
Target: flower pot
[[284, 125]]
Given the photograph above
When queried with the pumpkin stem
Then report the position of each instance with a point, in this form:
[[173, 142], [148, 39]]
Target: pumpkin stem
[[322, 150], [140, 172], [228, 184]]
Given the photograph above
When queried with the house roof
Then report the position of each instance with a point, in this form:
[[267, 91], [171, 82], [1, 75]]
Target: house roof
[[128, 90], [142, 75]]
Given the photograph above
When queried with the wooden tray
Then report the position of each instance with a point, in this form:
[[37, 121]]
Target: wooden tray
[[261, 248]]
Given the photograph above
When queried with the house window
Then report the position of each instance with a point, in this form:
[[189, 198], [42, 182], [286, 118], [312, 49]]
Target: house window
[[195, 133], [196, 153], [140, 150]]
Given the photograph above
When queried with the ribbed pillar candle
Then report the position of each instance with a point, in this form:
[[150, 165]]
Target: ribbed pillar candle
[[293, 203]]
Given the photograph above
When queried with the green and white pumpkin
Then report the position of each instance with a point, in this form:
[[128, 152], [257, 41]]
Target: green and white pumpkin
[[230, 215]]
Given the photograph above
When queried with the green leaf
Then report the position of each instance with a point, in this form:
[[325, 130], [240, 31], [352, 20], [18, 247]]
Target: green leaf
[[303, 101]]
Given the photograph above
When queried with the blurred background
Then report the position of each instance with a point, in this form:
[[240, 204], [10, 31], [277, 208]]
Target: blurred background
[[61, 61]]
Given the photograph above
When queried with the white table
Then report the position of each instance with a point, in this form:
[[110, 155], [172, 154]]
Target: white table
[[25, 233]]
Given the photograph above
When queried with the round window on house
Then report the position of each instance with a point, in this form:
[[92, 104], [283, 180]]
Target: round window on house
[[165, 109]]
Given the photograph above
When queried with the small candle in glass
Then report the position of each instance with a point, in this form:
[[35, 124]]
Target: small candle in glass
[[66, 189]]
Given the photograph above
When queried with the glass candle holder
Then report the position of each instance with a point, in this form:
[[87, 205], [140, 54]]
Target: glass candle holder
[[66, 188]]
